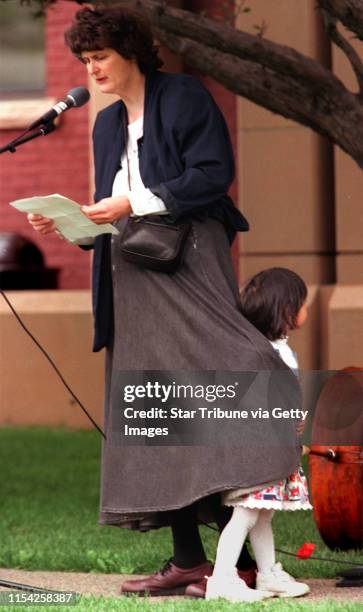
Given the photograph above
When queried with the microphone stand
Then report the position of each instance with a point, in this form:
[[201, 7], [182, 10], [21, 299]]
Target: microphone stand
[[18, 586], [43, 130]]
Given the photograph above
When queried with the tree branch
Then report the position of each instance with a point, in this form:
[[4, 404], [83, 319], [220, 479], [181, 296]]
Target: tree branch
[[346, 47], [281, 58], [348, 12], [328, 115]]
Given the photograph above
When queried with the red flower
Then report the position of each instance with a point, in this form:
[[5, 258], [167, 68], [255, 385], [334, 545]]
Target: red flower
[[305, 551]]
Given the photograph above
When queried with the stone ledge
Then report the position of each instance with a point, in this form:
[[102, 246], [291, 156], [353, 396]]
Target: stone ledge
[[30, 391], [347, 297], [341, 326], [49, 301]]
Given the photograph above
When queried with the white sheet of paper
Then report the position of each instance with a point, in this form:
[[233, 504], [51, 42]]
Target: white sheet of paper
[[69, 219]]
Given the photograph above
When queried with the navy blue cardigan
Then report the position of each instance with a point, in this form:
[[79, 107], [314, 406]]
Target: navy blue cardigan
[[185, 158]]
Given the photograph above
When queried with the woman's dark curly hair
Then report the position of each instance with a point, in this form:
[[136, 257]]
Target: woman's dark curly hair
[[271, 301], [116, 28]]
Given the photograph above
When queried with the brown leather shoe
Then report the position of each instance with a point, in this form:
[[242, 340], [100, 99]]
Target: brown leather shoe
[[198, 589], [170, 580]]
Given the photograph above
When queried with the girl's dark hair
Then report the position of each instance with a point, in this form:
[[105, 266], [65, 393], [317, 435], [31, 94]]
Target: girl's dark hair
[[116, 28], [272, 299]]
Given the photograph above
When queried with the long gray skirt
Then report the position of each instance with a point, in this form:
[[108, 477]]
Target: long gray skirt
[[189, 320]]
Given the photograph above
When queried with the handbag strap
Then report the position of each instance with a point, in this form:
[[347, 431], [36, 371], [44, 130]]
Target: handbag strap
[[126, 139]]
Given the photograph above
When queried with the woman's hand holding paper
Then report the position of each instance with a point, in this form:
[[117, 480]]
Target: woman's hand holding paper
[[108, 210], [41, 224]]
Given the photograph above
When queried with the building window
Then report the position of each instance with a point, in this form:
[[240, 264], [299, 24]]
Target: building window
[[22, 57]]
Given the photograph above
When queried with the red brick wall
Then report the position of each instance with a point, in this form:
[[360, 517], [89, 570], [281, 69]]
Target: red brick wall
[[57, 163]]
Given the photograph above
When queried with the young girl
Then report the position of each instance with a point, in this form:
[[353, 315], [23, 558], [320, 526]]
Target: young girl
[[274, 301]]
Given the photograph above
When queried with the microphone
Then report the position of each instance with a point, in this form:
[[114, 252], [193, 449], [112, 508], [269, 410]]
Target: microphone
[[76, 97]]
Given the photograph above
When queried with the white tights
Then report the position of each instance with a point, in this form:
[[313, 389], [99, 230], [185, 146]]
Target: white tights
[[244, 521]]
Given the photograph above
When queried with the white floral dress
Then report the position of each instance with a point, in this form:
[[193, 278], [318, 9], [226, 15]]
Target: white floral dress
[[290, 493]]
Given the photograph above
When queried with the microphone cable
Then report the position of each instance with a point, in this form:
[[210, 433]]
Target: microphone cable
[[53, 365], [19, 586]]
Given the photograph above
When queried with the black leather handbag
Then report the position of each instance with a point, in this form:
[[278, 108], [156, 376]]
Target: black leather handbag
[[151, 242]]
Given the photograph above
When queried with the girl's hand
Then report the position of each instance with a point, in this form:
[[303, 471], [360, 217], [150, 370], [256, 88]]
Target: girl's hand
[[41, 224], [108, 210]]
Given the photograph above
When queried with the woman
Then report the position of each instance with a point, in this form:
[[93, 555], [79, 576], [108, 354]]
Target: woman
[[179, 163]]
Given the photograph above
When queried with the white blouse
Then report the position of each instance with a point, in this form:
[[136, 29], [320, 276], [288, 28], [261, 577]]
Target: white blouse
[[142, 200]]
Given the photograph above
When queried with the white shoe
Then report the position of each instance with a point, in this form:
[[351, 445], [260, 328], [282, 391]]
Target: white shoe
[[232, 588], [280, 583]]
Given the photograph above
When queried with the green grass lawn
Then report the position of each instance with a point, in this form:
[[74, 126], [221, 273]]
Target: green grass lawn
[[49, 512], [112, 604]]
